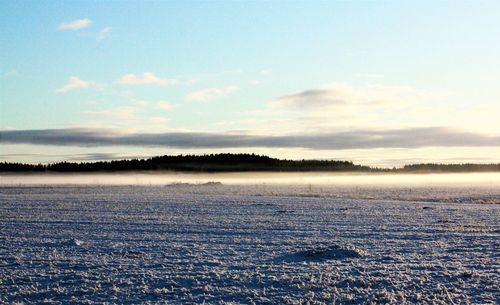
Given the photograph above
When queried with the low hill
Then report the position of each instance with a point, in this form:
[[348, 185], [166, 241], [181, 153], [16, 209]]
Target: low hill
[[198, 163], [234, 163]]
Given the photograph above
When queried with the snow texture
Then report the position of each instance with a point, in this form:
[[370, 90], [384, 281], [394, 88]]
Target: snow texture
[[218, 244]]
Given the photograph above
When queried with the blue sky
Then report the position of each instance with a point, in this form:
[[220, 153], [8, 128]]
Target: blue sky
[[365, 77]]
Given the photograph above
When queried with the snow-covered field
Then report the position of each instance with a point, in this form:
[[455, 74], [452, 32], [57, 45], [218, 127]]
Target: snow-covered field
[[263, 244]]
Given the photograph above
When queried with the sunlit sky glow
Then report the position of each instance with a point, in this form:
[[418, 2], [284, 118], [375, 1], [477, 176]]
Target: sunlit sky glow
[[375, 82]]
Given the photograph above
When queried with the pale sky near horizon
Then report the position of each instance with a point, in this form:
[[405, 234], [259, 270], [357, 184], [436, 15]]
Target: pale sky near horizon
[[375, 82]]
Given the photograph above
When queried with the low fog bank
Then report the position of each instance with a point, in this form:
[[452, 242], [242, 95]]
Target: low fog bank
[[341, 179]]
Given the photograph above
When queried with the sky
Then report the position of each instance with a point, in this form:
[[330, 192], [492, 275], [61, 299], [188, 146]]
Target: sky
[[381, 83]]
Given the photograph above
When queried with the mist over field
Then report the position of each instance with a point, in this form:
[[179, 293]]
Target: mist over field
[[257, 178]]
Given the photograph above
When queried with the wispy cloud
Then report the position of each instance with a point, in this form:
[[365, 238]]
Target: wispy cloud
[[340, 94], [141, 103], [103, 33], [76, 157], [75, 24], [164, 105], [314, 98], [158, 120], [100, 156], [144, 116], [120, 113], [146, 78], [11, 73], [355, 139], [73, 83], [210, 93]]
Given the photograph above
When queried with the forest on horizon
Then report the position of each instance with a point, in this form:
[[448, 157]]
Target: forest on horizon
[[234, 163]]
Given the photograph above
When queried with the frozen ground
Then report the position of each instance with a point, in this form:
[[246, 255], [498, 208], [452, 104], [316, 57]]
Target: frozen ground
[[259, 244]]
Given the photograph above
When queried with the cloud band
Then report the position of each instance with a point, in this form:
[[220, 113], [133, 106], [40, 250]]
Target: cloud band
[[356, 139]]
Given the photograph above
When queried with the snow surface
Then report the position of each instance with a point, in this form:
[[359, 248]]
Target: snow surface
[[216, 244]]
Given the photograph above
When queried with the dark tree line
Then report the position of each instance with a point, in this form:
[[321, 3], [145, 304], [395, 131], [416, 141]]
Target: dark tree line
[[198, 163], [467, 167], [230, 163]]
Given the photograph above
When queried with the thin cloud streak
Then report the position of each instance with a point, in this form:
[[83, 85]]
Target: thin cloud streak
[[75, 24], [146, 78], [103, 33], [317, 98], [209, 94], [119, 113], [73, 83], [356, 139], [78, 157], [339, 95]]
